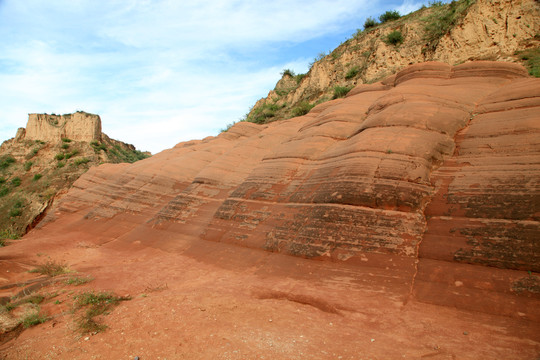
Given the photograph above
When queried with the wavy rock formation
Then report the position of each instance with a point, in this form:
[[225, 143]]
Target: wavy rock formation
[[425, 185], [435, 168]]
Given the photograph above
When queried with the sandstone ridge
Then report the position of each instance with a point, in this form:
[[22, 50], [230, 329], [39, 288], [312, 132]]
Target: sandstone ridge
[[420, 192]]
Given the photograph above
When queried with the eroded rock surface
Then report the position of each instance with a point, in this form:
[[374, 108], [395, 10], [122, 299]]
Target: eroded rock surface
[[423, 188]]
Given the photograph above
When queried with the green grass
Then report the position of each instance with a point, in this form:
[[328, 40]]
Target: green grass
[[65, 146], [51, 268], [59, 156], [61, 164], [15, 212], [71, 154], [4, 190], [28, 165], [6, 161], [37, 177], [442, 19], [341, 91], [302, 109], [352, 73], [394, 38], [33, 319], [17, 209], [78, 280], [81, 161], [8, 234], [95, 304], [299, 78], [32, 299], [117, 154], [263, 113], [66, 140], [97, 146], [532, 60], [16, 181]]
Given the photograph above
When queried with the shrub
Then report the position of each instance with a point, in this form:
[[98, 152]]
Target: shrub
[[2, 180], [341, 91], [81, 161], [442, 18], [6, 161], [33, 319], [117, 154], [71, 154], [370, 23], [37, 177], [4, 190], [532, 59], [66, 140], [394, 38], [299, 78], [15, 212], [16, 181], [260, 114], [389, 16], [95, 304], [302, 109], [65, 146], [97, 146], [352, 73], [5, 235], [28, 165], [288, 72], [32, 153], [78, 280], [61, 164], [60, 156], [51, 268]]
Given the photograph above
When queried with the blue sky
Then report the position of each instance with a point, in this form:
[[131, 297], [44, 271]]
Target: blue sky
[[159, 72]]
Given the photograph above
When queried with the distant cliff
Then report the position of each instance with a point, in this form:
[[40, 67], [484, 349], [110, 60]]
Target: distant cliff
[[80, 126]]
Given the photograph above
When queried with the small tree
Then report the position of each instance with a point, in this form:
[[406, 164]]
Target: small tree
[[389, 16], [370, 22], [394, 38]]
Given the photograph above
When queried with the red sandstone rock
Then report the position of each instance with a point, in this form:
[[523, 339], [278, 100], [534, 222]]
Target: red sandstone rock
[[423, 192]]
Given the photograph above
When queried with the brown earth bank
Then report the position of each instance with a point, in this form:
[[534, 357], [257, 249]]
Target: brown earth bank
[[399, 222], [462, 30]]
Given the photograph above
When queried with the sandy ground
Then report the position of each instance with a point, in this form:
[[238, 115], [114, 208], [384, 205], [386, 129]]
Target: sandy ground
[[217, 301]]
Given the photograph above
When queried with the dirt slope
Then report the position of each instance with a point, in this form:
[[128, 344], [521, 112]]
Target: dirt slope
[[453, 33], [410, 208]]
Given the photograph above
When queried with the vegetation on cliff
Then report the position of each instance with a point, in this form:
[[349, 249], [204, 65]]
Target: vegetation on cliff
[[32, 172], [385, 46]]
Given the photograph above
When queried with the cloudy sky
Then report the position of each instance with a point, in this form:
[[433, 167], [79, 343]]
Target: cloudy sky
[[162, 71]]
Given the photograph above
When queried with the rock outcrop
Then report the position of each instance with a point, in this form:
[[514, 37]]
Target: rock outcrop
[[432, 174], [80, 126], [421, 192]]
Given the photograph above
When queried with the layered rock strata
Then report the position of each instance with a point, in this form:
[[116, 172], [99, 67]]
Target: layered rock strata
[[430, 178]]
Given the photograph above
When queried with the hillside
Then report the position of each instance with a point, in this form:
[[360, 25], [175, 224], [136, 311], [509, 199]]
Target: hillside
[[45, 159], [464, 30], [401, 221]]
